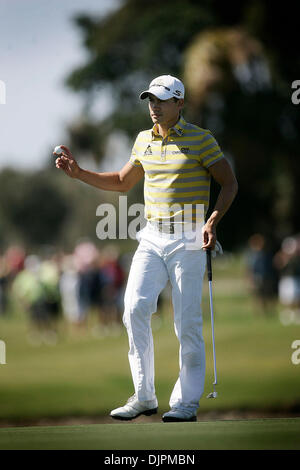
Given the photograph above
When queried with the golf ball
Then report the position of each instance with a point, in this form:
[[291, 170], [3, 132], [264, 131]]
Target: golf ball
[[58, 150]]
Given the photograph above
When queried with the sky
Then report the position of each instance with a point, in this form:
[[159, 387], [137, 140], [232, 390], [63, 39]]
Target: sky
[[39, 47]]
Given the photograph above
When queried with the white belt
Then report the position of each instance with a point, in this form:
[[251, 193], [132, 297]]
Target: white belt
[[163, 227], [171, 227]]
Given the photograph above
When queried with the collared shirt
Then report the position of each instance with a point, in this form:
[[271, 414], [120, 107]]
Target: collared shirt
[[176, 169]]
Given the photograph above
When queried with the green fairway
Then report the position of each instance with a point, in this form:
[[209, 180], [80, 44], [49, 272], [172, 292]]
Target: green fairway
[[247, 434], [86, 375]]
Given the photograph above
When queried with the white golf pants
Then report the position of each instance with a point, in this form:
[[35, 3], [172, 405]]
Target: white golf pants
[[161, 257]]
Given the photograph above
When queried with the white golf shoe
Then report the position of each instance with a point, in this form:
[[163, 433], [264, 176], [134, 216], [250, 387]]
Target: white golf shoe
[[176, 415], [135, 408]]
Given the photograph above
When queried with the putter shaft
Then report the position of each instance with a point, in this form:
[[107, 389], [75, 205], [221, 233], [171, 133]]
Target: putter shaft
[[212, 331], [209, 275]]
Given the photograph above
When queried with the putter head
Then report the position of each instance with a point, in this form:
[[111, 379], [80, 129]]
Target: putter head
[[212, 395]]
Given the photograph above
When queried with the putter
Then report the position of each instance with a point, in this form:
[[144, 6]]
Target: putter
[[213, 394]]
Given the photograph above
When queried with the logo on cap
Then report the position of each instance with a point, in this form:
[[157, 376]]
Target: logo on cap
[[170, 87], [160, 83]]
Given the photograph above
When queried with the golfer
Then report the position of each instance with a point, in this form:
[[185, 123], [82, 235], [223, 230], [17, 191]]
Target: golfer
[[176, 160]]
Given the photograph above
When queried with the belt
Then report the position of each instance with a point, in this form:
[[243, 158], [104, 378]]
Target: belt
[[171, 226], [163, 227]]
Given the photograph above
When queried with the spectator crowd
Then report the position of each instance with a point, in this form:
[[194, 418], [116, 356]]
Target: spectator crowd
[[90, 283], [275, 275], [72, 286]]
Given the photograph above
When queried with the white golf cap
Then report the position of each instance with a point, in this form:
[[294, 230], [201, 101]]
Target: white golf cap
[[164, 88]]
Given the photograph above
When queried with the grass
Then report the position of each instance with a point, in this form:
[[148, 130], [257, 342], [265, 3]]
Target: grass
[[267, 434], [87, 375]]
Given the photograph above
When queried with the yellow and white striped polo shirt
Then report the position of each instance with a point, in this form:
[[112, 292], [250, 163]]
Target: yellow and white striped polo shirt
[[176, 169]]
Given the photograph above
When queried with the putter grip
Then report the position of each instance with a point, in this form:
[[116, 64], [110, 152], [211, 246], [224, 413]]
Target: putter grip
[[208, 263]]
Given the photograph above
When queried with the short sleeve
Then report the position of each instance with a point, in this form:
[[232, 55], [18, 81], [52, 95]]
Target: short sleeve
[[134, 158], [210, 151]]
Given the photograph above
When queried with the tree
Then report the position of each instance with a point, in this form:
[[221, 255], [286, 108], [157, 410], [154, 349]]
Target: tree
[[32, 209], [246, 103], [126, 49]]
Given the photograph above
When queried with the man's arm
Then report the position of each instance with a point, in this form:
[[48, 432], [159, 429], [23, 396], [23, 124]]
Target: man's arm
[[222, 174], [122, 180]]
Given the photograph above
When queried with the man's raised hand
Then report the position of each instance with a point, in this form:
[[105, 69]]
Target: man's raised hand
[[67, 162]]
